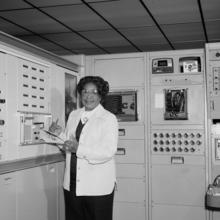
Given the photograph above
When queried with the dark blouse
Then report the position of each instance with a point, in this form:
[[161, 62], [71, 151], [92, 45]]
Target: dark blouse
[[74, 159]]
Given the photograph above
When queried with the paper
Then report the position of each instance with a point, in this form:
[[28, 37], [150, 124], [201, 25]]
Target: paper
[[51, 138], [159, 100]]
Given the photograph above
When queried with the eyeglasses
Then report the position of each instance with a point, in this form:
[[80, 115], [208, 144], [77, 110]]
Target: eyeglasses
[[92, 92]]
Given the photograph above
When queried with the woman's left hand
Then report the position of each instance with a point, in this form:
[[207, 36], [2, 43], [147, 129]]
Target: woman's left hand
[[70, 145]]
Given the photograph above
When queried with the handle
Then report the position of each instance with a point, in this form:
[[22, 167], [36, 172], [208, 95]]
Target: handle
[[121, 132], [177, 160], [213, 105], [8, 180], [121, 151]]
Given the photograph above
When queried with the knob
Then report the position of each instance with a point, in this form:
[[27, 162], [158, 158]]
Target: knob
[[161, 149], [161, 143], [155, 149], [198, 135], [167, 149], [186, 135], [155, 142], [186, 142], [173, 149], [180, 149], [179, 142], [192, 149], [192, 142], [192, 135], [155, 135], [161, 135], [167, 135], [217, 54], [173, 135], [198, 142], [186, 149], [179, 135], [167, 142]]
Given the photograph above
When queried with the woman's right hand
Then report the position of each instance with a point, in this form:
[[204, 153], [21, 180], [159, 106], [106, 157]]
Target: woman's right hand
[[55, 128], [70, 145]]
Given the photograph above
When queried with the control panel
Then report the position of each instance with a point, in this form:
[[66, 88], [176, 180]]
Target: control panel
[[216, 79], [31, 126], [178, 142], [213, 81], [177, 135]]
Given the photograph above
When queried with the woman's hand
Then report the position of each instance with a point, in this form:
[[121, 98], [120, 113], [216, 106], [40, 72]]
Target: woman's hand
[[55, 128], [70, 145]]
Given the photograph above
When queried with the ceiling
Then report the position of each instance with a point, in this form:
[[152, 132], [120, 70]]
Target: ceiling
[[90, 27]]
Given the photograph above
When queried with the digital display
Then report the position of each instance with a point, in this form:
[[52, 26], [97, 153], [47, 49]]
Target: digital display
[[162, 63]]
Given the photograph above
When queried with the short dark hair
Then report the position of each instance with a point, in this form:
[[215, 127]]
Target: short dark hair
[[99, 82]]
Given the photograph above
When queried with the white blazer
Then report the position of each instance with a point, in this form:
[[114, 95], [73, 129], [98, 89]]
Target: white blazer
[[95, 174]]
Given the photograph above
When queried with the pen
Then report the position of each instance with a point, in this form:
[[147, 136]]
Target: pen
[[54, 135]]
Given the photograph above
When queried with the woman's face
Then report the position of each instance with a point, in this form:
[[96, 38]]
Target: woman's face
[[90, 97]]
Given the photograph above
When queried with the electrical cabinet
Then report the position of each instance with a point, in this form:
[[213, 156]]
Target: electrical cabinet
[[177, 134], [121, 70], [213, 109], [33, 193], [37, 193], [126, 76], [8, 196], [130, 194]]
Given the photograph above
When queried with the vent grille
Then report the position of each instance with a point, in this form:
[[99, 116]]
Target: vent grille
[[33, 87]]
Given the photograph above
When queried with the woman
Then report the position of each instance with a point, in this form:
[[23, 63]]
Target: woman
[[92, 135]]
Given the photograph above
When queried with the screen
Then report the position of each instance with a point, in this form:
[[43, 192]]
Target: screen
[[122, 104], [162, 63]]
